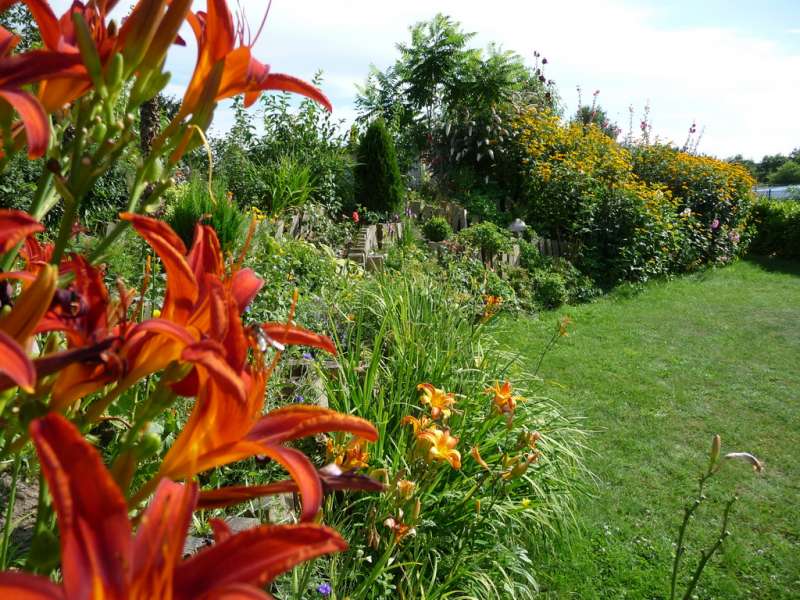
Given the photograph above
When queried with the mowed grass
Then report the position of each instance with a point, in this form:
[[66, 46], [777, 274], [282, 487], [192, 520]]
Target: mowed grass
[[656, 374]]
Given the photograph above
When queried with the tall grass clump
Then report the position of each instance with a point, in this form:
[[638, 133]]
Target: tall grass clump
[[479, 470], [193, 202]]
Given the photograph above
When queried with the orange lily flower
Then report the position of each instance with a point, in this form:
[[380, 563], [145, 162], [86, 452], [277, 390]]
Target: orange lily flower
[[439, 401], [331, 482], [27, 68], [101, 558], [353, 456], [208, 442], [440, 446], [15, 227], [220, 45], [417, 425], [398, 528], [503, 399]]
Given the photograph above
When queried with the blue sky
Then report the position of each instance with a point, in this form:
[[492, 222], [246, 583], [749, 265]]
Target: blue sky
[[732, 66]]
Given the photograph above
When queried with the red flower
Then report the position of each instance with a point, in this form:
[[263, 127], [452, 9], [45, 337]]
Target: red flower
[[102, 558]]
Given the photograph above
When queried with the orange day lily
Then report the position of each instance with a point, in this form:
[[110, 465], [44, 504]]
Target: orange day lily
[[101, 558], [438, 400], [503, 399], [440, 446], [417, 425], [23, 69]]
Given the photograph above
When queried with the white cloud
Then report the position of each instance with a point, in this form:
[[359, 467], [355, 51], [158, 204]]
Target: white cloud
[[741, 88]]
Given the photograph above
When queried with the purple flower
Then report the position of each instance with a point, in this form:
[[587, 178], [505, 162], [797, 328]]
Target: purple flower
[[715, 224], [299, 399], [324, 589], [308, 356]]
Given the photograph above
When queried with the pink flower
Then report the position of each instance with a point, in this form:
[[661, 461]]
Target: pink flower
[[715, 224], [356, 218]]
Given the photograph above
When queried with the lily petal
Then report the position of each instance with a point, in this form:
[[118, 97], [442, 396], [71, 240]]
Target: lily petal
[[291, 335], [31, 305], [23, 586], [158, 546], [15, 364], [34, 119], [255, 556], [15, 226], [293, 422], [182, 288], [91, 511]]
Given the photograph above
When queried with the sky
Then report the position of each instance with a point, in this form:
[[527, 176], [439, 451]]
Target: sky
[[731, 66]]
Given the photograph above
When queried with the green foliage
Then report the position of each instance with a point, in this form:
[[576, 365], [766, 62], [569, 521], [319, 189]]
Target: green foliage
[[437, 229], [550, 288], [474, 530], [191, 203], [487, 237], [777, 226], [378, 181], [295, 264], [288, 184], [300, 156], [787, 174]]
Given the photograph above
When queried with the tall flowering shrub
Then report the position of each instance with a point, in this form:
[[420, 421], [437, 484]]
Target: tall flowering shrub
[[630, 212], [71, 349]]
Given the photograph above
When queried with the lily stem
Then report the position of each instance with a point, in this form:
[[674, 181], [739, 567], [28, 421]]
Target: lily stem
[[7, 527]]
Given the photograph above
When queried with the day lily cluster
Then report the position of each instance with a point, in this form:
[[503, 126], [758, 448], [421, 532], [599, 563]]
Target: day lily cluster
[[73, 352], [434, 443]]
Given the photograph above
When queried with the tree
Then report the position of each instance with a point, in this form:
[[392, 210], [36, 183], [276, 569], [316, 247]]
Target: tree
[[17, 18], [787, 174], [430, 64], [379, 186], [768, 165]]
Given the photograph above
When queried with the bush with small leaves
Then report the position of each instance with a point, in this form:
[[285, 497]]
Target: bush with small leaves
[[437, 229], [490, 239]]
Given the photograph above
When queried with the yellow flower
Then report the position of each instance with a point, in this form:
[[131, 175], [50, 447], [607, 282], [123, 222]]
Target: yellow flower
[[526, 502], [438, 401], [441, 446]]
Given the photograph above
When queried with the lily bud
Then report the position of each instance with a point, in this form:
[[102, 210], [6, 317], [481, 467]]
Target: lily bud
[[716, 444]]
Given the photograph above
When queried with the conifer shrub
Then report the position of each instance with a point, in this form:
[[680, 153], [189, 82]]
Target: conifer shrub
[[379, 185]]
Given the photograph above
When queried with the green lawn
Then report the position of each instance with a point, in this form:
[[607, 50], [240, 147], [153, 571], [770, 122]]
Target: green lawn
[[656, 374]]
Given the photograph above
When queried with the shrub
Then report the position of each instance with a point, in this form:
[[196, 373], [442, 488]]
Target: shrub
[[379, 185], [550, 288], [437, 229], [192, 203], [630, 213], [777, 226], [488, 238]]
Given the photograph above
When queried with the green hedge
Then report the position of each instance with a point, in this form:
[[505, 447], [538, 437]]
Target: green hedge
[[777, 226]]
